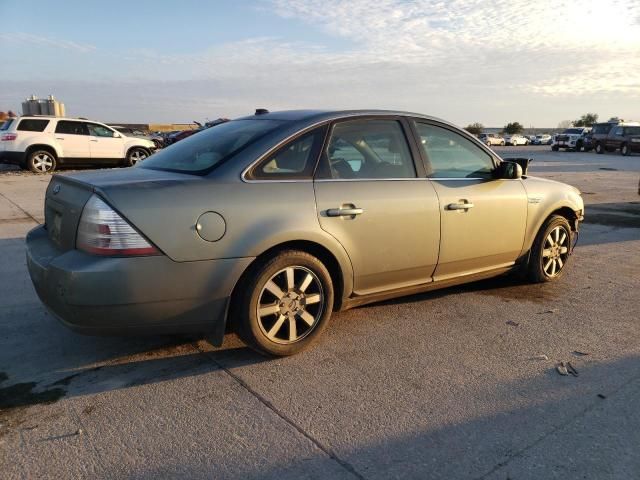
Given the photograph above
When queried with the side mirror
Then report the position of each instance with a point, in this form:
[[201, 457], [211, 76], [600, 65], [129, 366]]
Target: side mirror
[[508, 171], [116, 135]]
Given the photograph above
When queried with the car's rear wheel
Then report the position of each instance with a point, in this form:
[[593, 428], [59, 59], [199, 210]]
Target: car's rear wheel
[[578, 146], [555, 148], [41, 161], [599, 148], [624, 150], [502, 143], [551, 250], [284, 304], [136, 155]]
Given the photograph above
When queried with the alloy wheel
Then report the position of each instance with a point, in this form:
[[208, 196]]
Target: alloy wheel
[[43, 162], [555, 251], [290, 305], [137, 156]]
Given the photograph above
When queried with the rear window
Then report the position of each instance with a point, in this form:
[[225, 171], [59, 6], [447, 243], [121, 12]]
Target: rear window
[[32, 125], [6, 125], [201, 152], [602, 129], [632, 131]]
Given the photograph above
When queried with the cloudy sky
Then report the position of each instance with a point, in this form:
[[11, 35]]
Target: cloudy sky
[[538, 62]]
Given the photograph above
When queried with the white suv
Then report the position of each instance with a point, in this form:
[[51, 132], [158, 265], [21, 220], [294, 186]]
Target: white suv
[[490, 139], [43, 143]]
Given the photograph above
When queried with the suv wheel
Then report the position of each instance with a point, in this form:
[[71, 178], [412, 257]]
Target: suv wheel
[[578, 146], [284, 304], [599, 148], [555, 148], [41, 161], [550, 251], [136, 155], [624, 150]]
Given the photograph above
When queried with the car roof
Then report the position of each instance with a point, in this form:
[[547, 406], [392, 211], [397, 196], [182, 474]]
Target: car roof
[[53, 117]]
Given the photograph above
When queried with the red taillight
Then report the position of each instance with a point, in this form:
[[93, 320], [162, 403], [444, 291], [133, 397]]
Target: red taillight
[[6, 137], [103, 232]]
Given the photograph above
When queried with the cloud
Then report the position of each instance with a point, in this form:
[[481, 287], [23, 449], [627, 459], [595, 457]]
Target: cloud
[[22, 38]]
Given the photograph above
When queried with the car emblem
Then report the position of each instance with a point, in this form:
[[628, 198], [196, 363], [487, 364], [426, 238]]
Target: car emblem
[[56, 189]]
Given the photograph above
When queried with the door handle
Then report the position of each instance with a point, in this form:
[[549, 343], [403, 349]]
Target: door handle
[[344, 212], [93, 139], [59, 138], [460, 206]]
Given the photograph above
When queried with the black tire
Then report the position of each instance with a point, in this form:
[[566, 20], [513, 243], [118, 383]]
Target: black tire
[[578, 146], [264, 333], [542, 252], [555, 148], [599, 148], [41, 161], [625, 150], [135, 155], [502, 144]]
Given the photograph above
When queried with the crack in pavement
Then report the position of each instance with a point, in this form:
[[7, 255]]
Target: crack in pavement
[[19, 208], [326, 450], [555, 430]]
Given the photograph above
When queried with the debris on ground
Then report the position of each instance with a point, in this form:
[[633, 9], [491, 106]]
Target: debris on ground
[[512, 323], [602, 396], [562, 369], [540, 357], [571, 369], [578, 353], [552, 310]]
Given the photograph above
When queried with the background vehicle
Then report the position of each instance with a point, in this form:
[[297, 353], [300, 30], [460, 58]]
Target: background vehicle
[[42, 144], [624, 137], [543, 139], [490, 139], [571, 139], [253, 223], [157, 140], [516, 139]]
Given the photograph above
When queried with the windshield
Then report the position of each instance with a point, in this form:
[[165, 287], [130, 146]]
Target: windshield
[[204, 150], [575, 131], [6, 124]]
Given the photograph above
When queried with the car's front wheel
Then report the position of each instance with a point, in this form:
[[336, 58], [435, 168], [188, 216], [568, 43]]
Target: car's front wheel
[[136, 155], [599, 148], [284, 304], [551, 250], [624, 150], [41, 161], [555, 148]]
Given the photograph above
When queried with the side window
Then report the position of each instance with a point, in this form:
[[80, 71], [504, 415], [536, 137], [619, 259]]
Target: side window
[[71, 128], [99, 131], [368, 149], [295, 161], [450, 155], [618, 131], [33, 125]]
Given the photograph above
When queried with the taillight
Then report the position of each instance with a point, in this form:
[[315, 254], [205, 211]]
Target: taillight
[[103, 232], [6, 137]]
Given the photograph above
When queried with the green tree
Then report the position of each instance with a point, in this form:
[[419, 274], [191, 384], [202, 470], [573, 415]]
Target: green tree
[[474, 128], [586, 120], [513, 127]]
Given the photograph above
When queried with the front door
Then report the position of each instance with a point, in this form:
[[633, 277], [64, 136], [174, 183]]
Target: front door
[[105, 146], [483, 220], [370, 199]]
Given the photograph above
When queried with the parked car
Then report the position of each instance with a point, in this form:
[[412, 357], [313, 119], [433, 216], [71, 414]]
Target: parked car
[[270, 222], [181, 135], [543, 139], [571, 139], [157, 140], [490, 139], [516, 139], [623, 137], [42, 144]]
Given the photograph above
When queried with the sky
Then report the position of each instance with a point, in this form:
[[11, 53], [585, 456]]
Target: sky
[[538, 62]]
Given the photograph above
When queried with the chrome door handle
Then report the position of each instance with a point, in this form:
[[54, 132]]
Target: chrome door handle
[[459, 206], [344, 212], [93, 139], [58, 138]]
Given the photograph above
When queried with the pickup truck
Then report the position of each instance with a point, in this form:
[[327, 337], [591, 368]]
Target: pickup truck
[[623, 137], [571, 139]]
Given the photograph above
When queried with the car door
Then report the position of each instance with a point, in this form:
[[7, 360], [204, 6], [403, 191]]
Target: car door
[[106, 144], [73, 140], [614, 140], [483, 220], [370, 198]]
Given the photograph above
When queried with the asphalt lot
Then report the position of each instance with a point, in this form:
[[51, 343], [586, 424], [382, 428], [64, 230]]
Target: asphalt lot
[[449, 384]]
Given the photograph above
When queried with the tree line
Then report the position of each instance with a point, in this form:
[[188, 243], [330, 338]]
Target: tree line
[[586, 120]]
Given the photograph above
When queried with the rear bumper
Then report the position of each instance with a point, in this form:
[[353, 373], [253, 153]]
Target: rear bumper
[[15, 158], [131, 296]]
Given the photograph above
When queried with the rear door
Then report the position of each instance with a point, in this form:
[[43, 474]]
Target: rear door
[[371, 199], [483, 220], [73, 140], [105, 146], [614, 139]]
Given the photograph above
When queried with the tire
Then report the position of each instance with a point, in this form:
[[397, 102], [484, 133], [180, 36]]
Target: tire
[[555, 148], [550, 250], [502, 144], [41, 161], [599, 148], [578, 146], [488, 144], [135, 155], [282, 288], [625, 150]]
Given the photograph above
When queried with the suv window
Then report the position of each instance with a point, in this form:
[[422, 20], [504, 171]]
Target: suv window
[[618, 131], [71, 128], [602, 128], [32, 125], [296, 160], [632, 131], [99, 130], [450, 155], [368, 149], [6, 124]]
